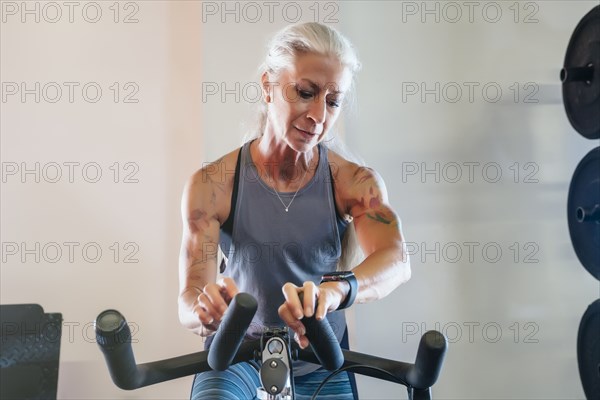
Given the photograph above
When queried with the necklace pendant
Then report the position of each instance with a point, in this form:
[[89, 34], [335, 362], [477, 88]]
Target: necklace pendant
[[286, 210]]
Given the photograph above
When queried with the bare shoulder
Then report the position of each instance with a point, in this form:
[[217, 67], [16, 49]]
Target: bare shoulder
[[210, 187], [357, 185]]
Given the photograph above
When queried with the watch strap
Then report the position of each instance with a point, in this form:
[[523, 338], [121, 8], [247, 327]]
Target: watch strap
[[344, 276]]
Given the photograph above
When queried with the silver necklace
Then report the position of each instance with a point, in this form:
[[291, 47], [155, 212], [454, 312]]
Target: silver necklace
[[293, 197]]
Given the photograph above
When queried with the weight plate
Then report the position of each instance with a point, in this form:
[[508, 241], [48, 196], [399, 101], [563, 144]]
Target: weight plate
[[583, 212], [588, 351], [581, 76]]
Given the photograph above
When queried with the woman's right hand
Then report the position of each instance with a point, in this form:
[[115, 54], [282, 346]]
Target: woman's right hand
[[213, 301]]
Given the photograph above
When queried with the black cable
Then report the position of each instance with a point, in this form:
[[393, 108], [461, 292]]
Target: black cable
[[351, 367]]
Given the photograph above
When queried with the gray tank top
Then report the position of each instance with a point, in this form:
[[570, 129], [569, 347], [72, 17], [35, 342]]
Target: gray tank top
[[269, 246]]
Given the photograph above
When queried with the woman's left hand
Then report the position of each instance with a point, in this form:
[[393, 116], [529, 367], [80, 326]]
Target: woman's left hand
[[328, 296]]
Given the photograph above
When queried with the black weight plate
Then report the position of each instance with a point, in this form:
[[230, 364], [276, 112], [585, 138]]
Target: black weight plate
[[581, 98], [588, 351], [584, 195]]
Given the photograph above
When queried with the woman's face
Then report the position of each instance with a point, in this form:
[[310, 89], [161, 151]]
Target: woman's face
[[306, 99]]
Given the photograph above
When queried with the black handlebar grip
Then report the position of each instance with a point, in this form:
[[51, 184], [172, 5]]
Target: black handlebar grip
[[231, 332], [114, 338], [323, 341], [430, 358]]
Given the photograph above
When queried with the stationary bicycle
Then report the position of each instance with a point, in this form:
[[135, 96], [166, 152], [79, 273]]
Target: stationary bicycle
[[274, 351]]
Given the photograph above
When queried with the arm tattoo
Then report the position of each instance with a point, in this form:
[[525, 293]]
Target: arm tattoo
[[361, 175], [198, 220], [379, 217], [364, 177]]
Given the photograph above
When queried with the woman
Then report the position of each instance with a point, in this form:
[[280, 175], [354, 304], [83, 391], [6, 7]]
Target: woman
[[281, 209]]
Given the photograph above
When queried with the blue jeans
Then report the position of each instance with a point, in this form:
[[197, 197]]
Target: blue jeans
[[240, 381]]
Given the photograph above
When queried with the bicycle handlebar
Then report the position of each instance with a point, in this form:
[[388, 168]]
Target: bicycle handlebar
[[428, 363], [230, 334], [323, 341], [114, 339]]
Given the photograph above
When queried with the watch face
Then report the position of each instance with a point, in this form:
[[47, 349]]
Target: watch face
[[336, 276]]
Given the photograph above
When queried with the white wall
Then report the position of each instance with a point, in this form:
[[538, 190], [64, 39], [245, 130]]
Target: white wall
[[177, 50], [160, 134], [537, 305]]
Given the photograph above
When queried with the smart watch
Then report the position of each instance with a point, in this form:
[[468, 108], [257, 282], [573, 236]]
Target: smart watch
[[347, 276]]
